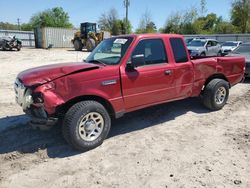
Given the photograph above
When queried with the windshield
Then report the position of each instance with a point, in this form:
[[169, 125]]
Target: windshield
[[187, 41], [110, 51], [244, 48], [230, 44], [198, 43]]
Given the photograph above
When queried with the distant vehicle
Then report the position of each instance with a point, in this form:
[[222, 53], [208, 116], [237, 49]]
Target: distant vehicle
[[229, 46], [188, 40], [88, 37], [243, 50], [204, 47], [8, 43]]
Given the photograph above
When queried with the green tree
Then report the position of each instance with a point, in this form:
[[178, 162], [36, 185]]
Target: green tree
[[224, 27], [146, 24], [207, 24], [8, 26], [55, 17], [173, 23], [26, 27], [109, 21], [240, 14], [123, 26], [181, 23]]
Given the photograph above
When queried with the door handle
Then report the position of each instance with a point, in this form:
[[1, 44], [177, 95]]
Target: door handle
[[168, 72]]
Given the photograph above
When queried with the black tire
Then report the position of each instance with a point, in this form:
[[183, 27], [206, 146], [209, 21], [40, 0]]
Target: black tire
[[19, 46], [72, 123], [212, 90], [219, 54], [203, 54], [90, 44], [5, 49], [78, 45]]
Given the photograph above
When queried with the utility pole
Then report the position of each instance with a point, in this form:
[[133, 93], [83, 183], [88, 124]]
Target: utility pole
[[126, 4], [18, 24]]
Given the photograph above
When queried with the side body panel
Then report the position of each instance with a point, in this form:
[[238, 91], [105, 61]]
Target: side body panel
[[149, 85]]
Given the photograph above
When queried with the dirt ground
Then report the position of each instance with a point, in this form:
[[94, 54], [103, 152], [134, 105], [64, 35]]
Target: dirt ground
[[179, 144]]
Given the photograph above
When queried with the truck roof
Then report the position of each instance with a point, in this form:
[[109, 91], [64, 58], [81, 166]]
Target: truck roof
[[152, 35]]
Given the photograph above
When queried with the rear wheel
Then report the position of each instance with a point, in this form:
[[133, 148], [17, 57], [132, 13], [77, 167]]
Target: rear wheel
[[219, 54], [86, 125], [90, 44], [215, 94], [78, 45]]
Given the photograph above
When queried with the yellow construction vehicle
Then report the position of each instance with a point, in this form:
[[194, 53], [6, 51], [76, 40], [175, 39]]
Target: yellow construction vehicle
[[87, 37]]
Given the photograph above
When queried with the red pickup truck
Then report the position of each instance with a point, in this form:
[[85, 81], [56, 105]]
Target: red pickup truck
[[122, 74]]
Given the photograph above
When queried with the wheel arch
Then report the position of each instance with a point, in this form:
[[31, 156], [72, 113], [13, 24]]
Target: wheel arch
[[215, 76], [66, 106], [203, 52]]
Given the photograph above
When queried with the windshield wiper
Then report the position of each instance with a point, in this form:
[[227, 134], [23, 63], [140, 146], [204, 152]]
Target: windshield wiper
[[96, 62]]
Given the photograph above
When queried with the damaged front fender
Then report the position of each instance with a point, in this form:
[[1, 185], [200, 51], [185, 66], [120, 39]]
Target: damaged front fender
[[50, 98]]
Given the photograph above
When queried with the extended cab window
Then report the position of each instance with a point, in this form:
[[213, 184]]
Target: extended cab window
[[153, 51], [179, 50]]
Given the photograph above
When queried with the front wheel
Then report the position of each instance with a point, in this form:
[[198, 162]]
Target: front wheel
[[90, 44], [86, 125], [78, 45], [216, 94]]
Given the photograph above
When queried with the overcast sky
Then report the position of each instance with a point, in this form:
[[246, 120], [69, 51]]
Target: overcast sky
[[90, 10]]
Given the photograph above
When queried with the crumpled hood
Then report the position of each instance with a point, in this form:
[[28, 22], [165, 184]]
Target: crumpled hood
[[43, 74]]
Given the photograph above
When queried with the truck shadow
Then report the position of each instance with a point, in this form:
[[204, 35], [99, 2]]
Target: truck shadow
[[247, 81], [20, 137]]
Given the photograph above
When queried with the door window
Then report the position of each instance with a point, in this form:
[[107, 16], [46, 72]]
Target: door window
[[153, 51]]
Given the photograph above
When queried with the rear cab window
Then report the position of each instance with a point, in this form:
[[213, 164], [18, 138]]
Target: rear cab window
[[179, 50]]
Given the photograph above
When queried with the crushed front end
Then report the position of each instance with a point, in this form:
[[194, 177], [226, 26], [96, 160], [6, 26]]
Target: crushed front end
[[32, 102]]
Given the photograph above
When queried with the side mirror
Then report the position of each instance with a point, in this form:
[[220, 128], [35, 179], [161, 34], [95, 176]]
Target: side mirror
[[208, 45], [138, 60]]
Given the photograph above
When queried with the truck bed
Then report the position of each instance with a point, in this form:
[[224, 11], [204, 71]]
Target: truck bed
[[230, 68]]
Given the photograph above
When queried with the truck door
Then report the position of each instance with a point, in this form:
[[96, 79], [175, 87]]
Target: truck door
[[184, 72], [152, 81]]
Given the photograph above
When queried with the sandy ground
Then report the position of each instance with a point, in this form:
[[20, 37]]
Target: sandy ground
[[179, 144]]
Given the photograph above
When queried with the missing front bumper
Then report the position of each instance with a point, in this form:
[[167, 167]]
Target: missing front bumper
[[40, 119]]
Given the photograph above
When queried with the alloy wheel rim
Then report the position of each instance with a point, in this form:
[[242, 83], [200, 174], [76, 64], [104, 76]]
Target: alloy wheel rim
[[220, 95], [91, 126]]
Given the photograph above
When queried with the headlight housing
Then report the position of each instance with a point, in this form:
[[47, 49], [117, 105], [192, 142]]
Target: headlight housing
[[27, 99], [23, 95]]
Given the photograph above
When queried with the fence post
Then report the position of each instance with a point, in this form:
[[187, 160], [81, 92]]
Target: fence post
[[30, 40]]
